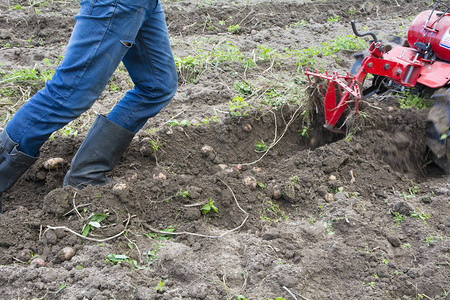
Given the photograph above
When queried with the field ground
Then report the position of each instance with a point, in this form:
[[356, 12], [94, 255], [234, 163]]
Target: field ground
[[301, 213]]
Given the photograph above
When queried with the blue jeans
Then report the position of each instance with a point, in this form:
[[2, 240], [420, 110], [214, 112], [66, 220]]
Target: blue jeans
[[106, 32]]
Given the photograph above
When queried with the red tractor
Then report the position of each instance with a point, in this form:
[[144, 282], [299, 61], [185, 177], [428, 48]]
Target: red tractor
[[421, 63]]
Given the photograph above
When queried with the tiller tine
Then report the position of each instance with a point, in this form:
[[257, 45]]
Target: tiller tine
[[335, 103]]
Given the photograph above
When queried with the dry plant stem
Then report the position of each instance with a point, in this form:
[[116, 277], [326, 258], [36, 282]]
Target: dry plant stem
[[276, 140], [352, 181], [82, 205], [209, 236], [181, 112], [88, 238], [21, 261], [195, 204], [370, 105], [75, 206], [137, 248], [290, 293]]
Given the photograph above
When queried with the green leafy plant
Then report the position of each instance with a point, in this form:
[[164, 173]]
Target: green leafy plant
[[329, 227], [243, 87], [420, 215], [61, 287], [431, 240], [334, 19], [94, 222], [352, 11], [68, 130], [406, 245], [267, 53], [172, 123], [398, 218], [272, 212], [234, 28], [162, 236], [261, 146], [160, 286], [238, 107], [185, 123], [411, 100], [117, 258], [304, 132], [207, 208]]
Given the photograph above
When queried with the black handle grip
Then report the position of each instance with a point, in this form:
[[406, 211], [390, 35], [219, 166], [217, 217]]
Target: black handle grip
[[364, 33]]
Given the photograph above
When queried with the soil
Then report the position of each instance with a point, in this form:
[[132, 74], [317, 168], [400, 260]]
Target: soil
[[319, 216]]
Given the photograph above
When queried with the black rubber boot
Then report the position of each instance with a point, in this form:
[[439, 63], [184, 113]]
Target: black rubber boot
[[13, 163], [99, 153]]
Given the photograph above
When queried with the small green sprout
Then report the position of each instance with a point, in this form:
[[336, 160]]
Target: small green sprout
[[398, 217], [209, 207], [94, 222], [234, 28], [159, 287], [261, 146]]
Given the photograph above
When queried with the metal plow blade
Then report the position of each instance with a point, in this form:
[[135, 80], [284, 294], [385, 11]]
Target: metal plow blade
[[337, 91]]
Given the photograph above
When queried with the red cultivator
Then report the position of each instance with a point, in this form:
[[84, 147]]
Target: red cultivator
[[423, 64]]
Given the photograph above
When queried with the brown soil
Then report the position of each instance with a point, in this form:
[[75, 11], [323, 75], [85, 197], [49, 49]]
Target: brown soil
[[313, 218]]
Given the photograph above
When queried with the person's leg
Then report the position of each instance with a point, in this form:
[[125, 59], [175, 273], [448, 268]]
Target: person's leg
[[150, 64], [152, 68], [94, 51], [98, 43]]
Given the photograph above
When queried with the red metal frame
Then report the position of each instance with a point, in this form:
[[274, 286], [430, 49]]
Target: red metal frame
[[402, 65]]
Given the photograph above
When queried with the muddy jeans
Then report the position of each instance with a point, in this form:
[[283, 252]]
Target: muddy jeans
[[106, 32]]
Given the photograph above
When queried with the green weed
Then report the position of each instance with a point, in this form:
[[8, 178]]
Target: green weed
[[398, 218], [406, 245], [329, 227], [420, 215], [267, 53], [94, 222], [334, 19], [243, 88], [238, 107], [261, 146], [410, 100], [162, 236], [207, 208], [352, 11], [233, 28], [431, 240], [272, 212], [160, 286]]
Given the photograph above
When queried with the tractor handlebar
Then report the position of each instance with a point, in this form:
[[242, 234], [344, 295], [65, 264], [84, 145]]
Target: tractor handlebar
[[355, 31]]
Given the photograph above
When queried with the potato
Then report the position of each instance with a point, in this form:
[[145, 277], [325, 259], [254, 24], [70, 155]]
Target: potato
[[120, 188], [247, 128], [37, 262], [206, 150], [329, 197], [66, 253], [276, 192], [159, 176], [250, 182], [54, 163]]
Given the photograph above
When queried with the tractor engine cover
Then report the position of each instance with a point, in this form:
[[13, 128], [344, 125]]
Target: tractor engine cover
[[438, 37]]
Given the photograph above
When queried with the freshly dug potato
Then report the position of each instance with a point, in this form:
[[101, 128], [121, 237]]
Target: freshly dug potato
[[54, 163], [66, 253]]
